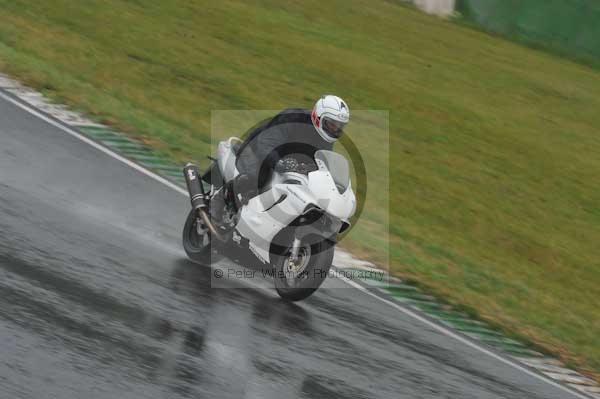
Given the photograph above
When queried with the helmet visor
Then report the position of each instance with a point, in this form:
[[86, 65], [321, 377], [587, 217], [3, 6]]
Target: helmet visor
[[333, 128]]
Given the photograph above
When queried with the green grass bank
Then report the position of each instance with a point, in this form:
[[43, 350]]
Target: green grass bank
[[495, 174]]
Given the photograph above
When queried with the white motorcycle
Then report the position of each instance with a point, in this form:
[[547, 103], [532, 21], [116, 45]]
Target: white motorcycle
[[291, 224]]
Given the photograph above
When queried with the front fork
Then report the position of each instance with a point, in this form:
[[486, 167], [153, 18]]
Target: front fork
[[295, 249]]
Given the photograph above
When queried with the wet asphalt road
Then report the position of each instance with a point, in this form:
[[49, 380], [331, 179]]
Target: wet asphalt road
[[97, 300]]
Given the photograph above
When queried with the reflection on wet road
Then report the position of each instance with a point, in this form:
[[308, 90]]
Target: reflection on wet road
[[98, 300]]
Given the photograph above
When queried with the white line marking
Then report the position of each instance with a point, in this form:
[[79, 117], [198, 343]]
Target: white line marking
[[408, 312], [465, 341], [100, 147]]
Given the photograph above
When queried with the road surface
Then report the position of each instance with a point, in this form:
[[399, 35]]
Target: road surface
[[97, 300]]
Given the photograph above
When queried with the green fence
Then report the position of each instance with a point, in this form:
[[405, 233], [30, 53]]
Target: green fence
[[570, 27]]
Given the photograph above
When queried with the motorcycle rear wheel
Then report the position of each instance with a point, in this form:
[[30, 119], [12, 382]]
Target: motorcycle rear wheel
[[196, 239]]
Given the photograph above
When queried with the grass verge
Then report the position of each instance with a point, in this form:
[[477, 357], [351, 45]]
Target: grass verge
[[495, 175]]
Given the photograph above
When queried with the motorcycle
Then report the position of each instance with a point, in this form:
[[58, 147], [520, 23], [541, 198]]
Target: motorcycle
[[291, 225]]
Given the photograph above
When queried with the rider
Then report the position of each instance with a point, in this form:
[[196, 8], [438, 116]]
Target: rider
[[296, 132], [292, 132]]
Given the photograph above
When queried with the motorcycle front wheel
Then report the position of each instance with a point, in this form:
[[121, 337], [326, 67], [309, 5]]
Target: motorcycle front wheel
[[298, 279]]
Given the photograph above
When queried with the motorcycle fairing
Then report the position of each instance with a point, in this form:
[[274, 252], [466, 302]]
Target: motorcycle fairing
[[260, 221]]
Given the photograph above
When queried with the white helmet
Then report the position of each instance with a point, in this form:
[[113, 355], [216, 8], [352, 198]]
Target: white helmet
[[329, 116]]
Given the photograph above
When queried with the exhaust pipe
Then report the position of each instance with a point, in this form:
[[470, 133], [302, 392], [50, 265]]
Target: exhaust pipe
[[194, 186], [198, 197]]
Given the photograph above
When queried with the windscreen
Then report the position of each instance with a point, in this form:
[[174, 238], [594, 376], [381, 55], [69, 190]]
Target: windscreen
[[337, 166]]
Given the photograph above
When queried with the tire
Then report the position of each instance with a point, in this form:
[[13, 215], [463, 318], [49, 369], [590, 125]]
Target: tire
[[197, 247], [312, 275]]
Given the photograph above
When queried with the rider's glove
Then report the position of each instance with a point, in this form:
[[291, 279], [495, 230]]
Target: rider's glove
[[243, 189]]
